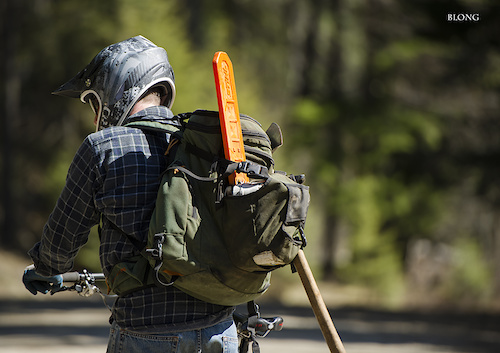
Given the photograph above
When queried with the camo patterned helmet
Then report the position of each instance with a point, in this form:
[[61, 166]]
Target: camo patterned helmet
[[117, 78]]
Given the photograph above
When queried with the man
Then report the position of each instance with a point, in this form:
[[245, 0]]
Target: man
[[114, 177]]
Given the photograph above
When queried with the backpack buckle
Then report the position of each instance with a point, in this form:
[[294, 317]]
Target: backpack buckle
[[157, 251], [252, 169]]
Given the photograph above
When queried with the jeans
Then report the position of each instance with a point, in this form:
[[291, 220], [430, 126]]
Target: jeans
[[220, 338]]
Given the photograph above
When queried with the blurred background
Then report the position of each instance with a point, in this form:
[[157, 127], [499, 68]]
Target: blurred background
[[390, 108]]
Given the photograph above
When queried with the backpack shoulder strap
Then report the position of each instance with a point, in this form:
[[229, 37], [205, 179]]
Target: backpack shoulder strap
[[154, 126], [138, 245]]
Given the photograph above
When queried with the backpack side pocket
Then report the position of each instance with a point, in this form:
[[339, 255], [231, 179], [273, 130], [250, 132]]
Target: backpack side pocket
[[261, 229], [177, 219]]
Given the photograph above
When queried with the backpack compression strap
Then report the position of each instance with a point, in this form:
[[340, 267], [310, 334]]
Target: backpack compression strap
[[253, 170]]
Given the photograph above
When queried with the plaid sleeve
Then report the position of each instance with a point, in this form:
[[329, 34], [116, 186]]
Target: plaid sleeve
[[67, 228]]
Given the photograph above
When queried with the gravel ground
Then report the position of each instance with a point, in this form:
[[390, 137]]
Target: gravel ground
[[66, 322], [46, 324]]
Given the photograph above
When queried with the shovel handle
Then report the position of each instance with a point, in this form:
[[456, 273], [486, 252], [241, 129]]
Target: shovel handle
[[318, 305]]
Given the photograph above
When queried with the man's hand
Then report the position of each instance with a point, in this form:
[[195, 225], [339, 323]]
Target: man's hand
[[38, 283]]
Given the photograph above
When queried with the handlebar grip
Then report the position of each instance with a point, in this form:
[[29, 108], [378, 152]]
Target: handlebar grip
[[77, 277], [99, 277], [71, 277]]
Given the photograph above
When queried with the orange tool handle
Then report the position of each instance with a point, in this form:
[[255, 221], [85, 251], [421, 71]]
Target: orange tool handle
[[229, 115]]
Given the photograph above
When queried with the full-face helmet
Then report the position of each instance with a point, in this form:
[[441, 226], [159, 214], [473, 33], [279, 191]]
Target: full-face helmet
[[119, 76]]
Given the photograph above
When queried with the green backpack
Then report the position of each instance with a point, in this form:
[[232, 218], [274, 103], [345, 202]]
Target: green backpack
[[217, 242]]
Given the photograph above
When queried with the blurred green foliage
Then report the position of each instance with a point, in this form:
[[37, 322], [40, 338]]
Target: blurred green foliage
[[389, 108]]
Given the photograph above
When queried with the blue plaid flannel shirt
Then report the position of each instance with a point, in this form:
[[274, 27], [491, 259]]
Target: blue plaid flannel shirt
[[116, 173]]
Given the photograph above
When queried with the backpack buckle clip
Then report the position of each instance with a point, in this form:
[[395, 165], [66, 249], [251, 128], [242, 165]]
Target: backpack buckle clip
[[252, 169], [157, 251]]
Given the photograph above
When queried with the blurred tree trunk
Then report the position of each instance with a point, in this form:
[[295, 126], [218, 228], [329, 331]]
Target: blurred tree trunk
[[195, 22], [10, 100], [322, 66], [496, 253], [348, 75], [329, 245]]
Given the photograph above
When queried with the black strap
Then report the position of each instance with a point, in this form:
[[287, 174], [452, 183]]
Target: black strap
[[253, 311], [253, 308], [255, 346], [138, 245], [190, 173], [253, 170]]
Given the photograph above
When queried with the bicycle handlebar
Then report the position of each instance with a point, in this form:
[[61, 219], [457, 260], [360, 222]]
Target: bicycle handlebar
[[83, 283], [77, 277], [261, 325], [248, 327], [269, 324]]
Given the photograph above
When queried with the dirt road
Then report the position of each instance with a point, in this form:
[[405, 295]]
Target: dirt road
[[46, 324]]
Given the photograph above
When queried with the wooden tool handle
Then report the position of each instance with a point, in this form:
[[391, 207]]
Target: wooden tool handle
[[318, 305]]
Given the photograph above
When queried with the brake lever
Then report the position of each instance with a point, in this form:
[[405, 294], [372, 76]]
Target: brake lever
[[263, 326], [269, 324]]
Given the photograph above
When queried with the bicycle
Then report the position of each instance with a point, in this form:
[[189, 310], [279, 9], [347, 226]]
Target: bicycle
[[249, 326]]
